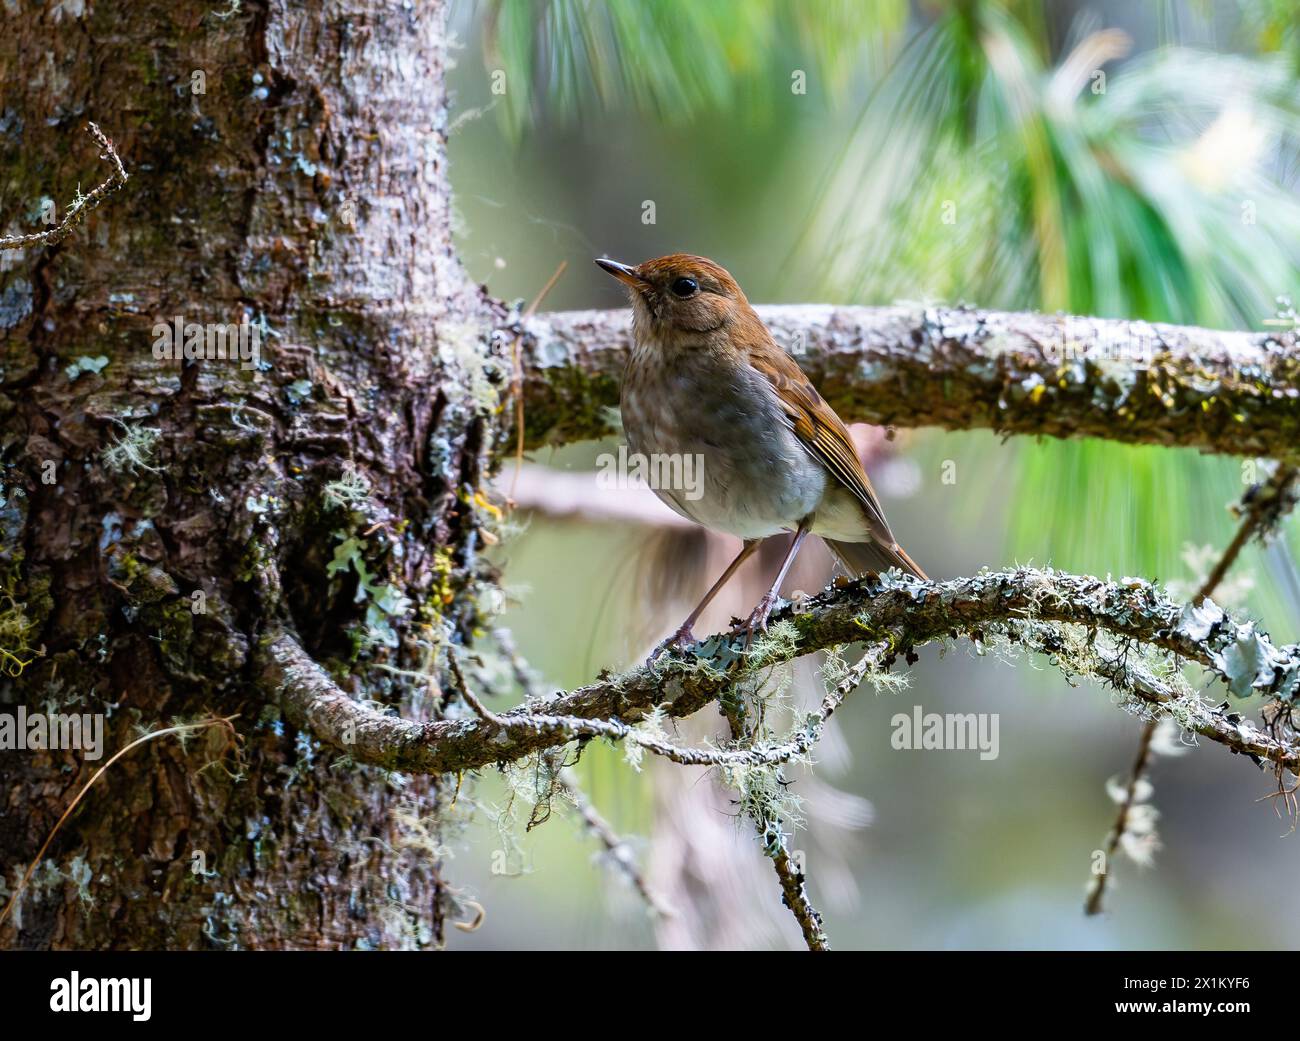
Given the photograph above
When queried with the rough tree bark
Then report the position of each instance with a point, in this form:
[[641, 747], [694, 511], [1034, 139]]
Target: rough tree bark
[[305, 187]]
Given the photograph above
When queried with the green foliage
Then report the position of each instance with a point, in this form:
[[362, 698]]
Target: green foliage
[[1149, 190], [675, 59], [1119, 197], [1272, 25]]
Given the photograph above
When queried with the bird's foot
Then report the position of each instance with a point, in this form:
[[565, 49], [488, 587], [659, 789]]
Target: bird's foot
[[683, 637], [757, 620]]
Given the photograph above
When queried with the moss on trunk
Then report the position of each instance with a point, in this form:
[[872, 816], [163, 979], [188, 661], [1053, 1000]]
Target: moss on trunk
[[304, 192]]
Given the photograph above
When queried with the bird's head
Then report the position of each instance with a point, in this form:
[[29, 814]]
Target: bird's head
[[680, 294]]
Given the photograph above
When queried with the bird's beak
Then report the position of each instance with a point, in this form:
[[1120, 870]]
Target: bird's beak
[[625, 274]]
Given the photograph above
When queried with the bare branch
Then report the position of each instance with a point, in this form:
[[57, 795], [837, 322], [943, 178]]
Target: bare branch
[[1097, 887], [1235, 393], [83, 204]]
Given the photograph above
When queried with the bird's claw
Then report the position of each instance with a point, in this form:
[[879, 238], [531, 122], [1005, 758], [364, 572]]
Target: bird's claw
[[683, 637], [757, 620]]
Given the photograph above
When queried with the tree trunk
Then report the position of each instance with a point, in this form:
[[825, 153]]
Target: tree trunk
[[287, 168]]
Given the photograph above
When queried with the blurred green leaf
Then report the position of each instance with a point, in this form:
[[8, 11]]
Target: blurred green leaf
[[1149, 190], [678, 59]]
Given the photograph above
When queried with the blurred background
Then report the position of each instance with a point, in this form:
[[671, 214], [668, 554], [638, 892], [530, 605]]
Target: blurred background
[[1114, 159]]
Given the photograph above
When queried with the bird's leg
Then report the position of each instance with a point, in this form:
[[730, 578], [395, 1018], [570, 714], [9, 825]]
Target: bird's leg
[[686, 631], [757, 620]]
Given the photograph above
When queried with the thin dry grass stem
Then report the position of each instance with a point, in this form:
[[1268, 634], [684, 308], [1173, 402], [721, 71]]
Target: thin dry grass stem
[[180, 728], [517, 381]]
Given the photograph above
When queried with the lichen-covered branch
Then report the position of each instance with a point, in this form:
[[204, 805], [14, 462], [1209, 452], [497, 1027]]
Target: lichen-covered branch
[[1235, 393], [617, 848], [767, 818], [902, 613], [315, 702], [1261, 510]]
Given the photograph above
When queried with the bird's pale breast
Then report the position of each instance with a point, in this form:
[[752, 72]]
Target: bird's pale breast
[[756, 478]]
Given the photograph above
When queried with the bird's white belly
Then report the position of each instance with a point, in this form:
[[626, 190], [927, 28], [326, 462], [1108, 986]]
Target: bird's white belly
[[751, 475]]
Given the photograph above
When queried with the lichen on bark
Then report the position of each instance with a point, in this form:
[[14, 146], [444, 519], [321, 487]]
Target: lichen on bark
[[305, 191]]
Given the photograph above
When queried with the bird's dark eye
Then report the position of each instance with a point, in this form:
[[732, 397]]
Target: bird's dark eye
[[684, 287]]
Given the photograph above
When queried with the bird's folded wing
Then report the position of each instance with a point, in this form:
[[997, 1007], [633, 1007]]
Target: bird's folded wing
[[822, 432]]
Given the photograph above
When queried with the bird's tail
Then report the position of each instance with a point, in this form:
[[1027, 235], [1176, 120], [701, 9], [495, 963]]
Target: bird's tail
[[861, 557]]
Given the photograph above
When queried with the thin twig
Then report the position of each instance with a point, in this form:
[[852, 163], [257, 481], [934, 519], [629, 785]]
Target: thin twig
[[789, 875], [618, 848], [1263, 510], [468, 696], [1097, 891], [794, 890], [81, 206]]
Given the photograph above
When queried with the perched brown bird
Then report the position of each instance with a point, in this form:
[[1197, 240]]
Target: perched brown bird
[[706, 380]]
